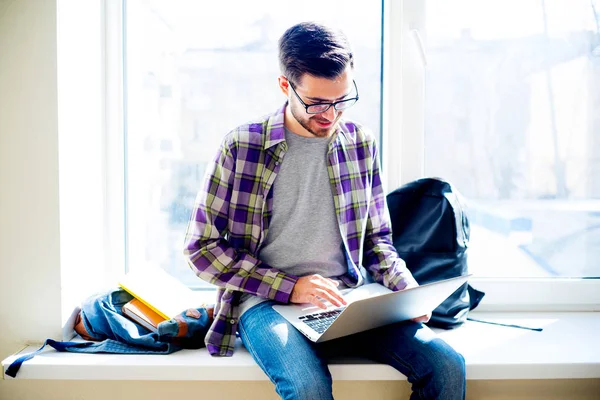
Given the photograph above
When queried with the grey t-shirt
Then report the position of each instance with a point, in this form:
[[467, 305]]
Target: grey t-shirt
[[304, 236]]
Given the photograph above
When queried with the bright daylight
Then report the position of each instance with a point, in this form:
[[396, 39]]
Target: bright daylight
[[300, 200]]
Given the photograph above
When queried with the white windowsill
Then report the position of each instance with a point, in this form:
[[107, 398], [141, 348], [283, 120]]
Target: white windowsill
[[567, 348]]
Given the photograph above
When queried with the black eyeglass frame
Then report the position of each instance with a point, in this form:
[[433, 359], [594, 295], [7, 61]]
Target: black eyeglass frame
[[334, 104]]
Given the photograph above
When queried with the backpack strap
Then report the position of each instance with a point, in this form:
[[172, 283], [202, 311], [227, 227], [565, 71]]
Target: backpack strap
[[462, 224], [14, 367]]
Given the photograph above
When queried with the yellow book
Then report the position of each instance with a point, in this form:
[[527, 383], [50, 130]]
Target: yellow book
[[160, 291]]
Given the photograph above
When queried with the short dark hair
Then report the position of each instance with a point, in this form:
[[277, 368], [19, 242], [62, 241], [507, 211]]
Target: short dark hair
[[314, 49]]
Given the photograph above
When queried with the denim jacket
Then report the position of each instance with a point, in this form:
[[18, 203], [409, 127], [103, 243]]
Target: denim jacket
[[114, 333]]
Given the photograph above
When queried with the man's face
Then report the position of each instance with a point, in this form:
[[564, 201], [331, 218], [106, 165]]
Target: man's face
[[313, 90]]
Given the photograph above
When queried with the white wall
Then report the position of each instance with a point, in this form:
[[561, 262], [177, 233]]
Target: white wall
[[30, 248], [29, 210]]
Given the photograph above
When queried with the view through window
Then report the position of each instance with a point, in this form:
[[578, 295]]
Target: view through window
[[194, 71], [512, 119]]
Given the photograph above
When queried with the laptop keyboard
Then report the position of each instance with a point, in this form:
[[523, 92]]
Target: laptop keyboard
[[320, 321]]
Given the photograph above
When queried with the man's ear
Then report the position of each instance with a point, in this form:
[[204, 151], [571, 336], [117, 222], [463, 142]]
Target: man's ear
[[284, 85]]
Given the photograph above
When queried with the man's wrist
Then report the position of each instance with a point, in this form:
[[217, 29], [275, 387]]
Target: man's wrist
[[399, 279], [282, 288]]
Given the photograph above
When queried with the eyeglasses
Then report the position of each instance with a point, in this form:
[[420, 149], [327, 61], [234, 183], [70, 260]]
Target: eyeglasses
[[319, 108]]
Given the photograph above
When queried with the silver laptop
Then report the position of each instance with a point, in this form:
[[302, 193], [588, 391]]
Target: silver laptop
[[369, 306]]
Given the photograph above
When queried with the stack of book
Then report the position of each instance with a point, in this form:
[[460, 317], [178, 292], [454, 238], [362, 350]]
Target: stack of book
[[142, 314], [158, 297]]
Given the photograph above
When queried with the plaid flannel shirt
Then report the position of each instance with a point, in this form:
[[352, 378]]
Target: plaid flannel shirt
[[232, 211]]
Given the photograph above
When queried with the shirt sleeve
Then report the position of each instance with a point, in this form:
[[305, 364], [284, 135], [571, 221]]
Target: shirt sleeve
[[380, 256], [208, 252]]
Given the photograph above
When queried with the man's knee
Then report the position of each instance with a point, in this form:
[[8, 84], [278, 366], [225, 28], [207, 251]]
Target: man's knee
[[451, 370], [456, 364]]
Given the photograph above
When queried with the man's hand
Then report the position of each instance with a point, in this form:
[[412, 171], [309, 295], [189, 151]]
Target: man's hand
[[316, 289], [422, 318]]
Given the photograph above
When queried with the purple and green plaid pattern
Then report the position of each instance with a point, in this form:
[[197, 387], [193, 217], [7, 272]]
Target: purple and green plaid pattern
[[233, 209]]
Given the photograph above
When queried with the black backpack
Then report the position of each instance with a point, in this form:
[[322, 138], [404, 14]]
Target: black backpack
[[430, 231]]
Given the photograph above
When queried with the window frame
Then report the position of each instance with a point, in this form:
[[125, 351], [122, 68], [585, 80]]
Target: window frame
[[402, 51], [115, 150]]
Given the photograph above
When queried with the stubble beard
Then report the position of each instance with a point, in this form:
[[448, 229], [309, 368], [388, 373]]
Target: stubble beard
[[320, 132]]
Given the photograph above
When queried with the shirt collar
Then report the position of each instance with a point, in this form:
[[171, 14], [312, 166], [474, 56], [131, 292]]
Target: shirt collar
[[275, 132]]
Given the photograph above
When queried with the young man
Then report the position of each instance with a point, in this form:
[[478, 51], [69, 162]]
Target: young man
[[291, 210]]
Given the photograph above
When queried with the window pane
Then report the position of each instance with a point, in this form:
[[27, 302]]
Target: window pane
[[195, 70], [513, 121]]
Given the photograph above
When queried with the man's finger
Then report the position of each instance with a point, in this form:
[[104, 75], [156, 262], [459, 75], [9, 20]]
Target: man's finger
[[334, 298], [422, 318], [331, 287], [314, 299]]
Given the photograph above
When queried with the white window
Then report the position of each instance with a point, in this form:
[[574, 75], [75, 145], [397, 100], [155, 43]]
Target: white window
[[498, 97], [193, 72], [511, 118], [501, 98]]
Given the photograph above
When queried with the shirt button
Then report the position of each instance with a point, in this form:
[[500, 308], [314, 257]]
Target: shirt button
[[276, 162], [232, 321]]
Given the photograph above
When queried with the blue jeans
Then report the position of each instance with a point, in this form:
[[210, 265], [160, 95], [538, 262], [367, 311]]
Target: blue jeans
[[298, 367]]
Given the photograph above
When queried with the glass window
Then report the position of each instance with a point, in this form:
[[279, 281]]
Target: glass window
[[194, 71], [512, 120]]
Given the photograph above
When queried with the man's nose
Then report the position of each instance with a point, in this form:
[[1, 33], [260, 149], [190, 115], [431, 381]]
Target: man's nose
[[330, 114]]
